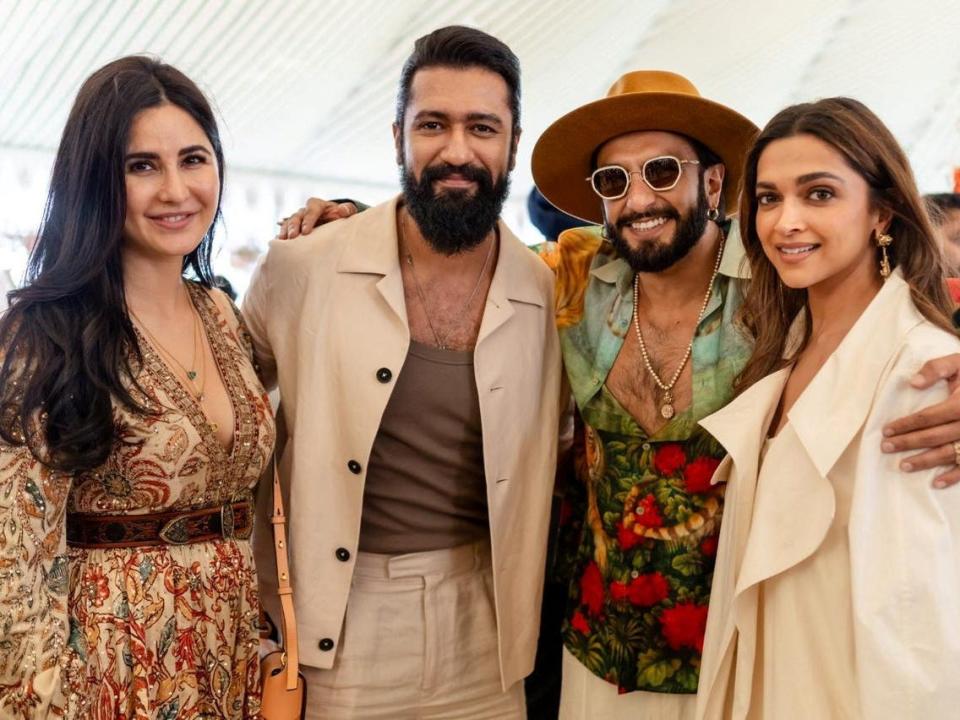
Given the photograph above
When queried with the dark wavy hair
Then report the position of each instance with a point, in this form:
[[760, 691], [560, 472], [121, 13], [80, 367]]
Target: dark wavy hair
[[68, 344], [871, 150], [456, 46]]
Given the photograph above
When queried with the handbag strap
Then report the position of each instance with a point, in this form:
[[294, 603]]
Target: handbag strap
[[284, 589]]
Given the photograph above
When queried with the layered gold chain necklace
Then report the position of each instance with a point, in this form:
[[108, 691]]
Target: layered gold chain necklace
[[667, 409], [442, 341], [196, 381]]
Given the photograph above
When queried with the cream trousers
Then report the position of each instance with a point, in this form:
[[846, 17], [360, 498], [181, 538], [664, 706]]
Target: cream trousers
[[419, 641]]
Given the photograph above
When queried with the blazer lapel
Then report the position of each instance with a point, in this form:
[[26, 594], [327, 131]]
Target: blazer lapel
[[830, 412], [372, 249], [823, 422], [741, 428], [512, 281]]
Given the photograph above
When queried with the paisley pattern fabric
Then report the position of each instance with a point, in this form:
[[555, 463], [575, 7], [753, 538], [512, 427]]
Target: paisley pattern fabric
[[639, 526], [138, 633]]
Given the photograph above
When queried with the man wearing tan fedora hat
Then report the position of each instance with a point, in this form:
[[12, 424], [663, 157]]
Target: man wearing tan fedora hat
[[645, 306]]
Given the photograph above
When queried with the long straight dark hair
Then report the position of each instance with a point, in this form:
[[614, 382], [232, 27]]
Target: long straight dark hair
[[68, 345], [871, 150]]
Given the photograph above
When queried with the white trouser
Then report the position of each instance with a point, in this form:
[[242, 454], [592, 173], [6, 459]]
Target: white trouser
[[419, 641]]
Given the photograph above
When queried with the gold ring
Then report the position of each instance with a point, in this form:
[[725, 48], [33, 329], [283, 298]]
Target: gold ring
[[956, 452]]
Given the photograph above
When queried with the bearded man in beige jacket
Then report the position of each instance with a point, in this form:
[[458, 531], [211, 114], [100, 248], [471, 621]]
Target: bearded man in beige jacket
[[419, 371]]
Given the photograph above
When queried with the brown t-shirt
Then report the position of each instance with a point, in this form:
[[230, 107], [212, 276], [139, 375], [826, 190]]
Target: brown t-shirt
[[426, 487]]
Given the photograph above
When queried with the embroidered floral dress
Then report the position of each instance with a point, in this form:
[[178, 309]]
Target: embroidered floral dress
[[145, 632], [639, 524]]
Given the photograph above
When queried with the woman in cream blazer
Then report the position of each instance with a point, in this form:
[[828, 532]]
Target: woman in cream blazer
[[836, 592]]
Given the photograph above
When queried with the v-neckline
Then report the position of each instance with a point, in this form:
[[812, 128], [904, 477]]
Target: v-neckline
[[182, 397]]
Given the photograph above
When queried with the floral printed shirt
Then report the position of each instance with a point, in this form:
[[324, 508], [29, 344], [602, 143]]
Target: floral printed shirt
[[639, 525]]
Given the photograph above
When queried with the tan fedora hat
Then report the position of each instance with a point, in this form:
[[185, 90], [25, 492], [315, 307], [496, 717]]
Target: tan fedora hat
[[638, 101]]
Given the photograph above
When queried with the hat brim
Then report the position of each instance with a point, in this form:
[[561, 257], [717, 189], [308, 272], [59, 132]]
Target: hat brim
[[562, 156]]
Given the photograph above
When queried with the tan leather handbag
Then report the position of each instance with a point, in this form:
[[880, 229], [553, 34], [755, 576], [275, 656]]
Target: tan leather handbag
[[284, 688]]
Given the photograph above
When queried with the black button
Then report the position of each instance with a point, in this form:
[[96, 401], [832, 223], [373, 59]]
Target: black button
[[326, 644], [354, 467], [384, 375], [343, 554]]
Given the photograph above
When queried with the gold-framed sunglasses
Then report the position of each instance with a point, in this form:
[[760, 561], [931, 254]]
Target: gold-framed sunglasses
[[661, 173]]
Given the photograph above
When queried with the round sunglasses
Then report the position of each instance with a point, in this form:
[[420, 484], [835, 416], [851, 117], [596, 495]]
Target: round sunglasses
[[662, 173]]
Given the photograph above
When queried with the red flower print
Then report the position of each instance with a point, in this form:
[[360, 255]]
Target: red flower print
[[643, 590], [697, 474], [649, 589], [591, 589], [626, 537], [669, 458], [709, 546], [648, 512], [566, 513], [684, 626], [580, 624], [95, 586]]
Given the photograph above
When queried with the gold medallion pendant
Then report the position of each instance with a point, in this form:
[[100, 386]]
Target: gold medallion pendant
[[666, 410]]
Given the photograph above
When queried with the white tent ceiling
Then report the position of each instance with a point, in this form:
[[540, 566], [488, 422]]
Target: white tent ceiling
[[306, 88]]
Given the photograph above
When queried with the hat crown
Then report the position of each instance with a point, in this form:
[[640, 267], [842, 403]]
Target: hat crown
[[652, 81]]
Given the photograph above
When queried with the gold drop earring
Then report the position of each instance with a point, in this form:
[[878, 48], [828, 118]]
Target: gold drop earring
[[883, 242]]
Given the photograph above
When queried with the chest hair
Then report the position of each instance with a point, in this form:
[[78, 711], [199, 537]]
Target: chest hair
[[632, 384], [456, 326]]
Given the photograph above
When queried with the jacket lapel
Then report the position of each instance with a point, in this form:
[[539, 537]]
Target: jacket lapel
[[371, 249], [823, 422], [830, 412], [512, 281], [741, 428]]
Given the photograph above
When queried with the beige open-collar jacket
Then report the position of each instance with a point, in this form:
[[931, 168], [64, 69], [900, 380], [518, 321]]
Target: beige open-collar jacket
[[329, 324], [904, 536]]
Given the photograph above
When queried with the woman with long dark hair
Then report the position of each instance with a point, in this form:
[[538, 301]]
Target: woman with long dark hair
[[133, 426], [836, 592]]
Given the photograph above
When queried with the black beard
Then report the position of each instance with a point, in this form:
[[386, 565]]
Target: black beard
[[656, 257], [454, 221]]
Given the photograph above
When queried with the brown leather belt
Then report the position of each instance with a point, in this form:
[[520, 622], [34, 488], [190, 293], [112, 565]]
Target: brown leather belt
[[232, 521]]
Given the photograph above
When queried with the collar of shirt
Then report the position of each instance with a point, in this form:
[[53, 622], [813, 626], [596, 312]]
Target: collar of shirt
[[591, 345]]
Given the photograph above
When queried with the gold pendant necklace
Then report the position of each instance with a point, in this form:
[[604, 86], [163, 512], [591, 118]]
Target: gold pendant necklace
[[191, 374], [667, 409]]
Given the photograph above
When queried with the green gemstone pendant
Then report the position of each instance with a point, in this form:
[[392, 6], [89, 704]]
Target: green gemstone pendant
[[192, 374]]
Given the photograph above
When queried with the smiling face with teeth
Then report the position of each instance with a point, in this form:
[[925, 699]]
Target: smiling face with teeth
[[172, 184], [816, 217], [654, 229]]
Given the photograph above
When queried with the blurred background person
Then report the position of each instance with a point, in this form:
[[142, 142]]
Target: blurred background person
[[944, 211]]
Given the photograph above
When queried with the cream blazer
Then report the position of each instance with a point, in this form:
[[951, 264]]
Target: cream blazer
[[904, 537], [329, 325]]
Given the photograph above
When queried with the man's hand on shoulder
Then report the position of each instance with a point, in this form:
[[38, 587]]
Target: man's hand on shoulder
[[317, 212], [934, 429]]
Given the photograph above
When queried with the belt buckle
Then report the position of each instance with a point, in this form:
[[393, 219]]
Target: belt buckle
[[228, 524], [174, 531]]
